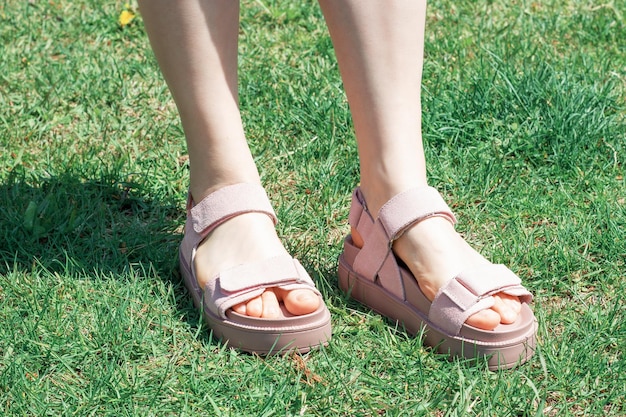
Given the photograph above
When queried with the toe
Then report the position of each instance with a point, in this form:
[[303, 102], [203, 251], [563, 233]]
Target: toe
[[505, 310], [254, 307], [240, 308], [485, 319], [512, 302], [507, 307], [300, 302], [271, 309]]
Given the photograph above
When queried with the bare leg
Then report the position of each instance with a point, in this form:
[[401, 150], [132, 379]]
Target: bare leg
[[195, 42], [379, 46]]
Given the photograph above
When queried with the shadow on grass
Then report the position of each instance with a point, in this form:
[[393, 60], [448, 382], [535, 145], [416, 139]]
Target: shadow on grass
[[68, 224], [98, 228]]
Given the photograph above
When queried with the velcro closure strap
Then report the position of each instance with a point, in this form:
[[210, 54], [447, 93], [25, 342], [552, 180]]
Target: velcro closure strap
[[228, 202], [489, 279], [412, 206], [470, 292], [246, 281], [262, 274]]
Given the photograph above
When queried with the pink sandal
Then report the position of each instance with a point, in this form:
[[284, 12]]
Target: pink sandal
[[375, 277], [238, 284]]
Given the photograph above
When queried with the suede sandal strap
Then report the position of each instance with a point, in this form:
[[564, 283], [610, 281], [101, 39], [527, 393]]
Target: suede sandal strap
[[220, 206], [394, 217], [244, 282], [359, 216], [410, 207], [226, 203], [472, 291]]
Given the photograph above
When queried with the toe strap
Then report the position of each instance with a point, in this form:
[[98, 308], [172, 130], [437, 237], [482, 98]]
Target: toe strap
[[471, 292], [246, 281]]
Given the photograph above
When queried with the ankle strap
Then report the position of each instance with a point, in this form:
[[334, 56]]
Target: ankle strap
[[226, 203], [410, 207]]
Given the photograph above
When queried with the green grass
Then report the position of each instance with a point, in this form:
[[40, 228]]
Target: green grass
[[524, 123]]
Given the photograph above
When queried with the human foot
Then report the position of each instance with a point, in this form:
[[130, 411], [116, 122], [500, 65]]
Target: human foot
[[435, 253], [461, 304], [246, 238], [233, 229]]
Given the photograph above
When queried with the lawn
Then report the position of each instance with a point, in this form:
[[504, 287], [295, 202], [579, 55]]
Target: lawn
[[524, 122]]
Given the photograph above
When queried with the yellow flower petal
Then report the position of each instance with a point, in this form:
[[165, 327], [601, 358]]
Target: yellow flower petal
[[126, 17]]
